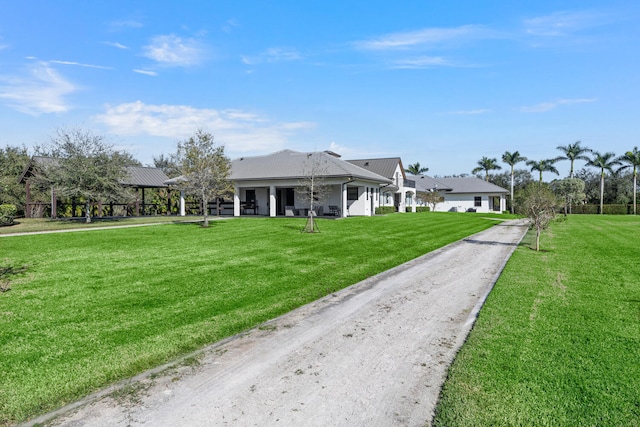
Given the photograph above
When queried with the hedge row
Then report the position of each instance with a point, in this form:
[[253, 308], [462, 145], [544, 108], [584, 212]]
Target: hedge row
[[606, 209]]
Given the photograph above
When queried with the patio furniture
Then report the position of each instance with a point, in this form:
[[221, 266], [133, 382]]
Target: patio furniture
[[334, 210]]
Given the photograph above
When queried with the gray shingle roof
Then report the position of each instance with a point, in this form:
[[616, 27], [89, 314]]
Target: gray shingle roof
[[288, 164]]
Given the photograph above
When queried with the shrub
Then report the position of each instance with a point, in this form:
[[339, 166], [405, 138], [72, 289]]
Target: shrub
[[423, 209], [409, 209], [7, 214], [381, 210]]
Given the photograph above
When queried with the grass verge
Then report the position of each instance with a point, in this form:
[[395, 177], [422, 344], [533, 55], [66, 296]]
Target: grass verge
[[558, 340], [98, 306]]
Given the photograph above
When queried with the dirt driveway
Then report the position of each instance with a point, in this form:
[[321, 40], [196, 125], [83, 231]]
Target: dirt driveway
[[374, 354]]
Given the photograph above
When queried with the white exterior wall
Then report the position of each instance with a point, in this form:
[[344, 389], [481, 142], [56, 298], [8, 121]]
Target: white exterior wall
[[463, 202]]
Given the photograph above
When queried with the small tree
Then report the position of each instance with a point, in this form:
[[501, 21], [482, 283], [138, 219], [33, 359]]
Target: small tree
[[431, 198], [205, 170], [313, 188], [539, 205], [86, 167], [568, 190]]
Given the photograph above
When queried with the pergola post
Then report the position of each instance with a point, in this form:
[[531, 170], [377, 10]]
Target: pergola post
[[54, 204], [27, 205], [182, 203], [272, 201]]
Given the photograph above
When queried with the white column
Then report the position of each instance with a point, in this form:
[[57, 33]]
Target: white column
[[344, 200], [414, 201], [236, 201], [183, 211], [272, 201]]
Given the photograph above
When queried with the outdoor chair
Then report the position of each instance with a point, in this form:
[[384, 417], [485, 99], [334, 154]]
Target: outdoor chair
[[334, 210]]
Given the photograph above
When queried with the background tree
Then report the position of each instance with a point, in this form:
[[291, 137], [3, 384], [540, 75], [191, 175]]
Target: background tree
[[543, 166], [632, 158], [568, 190], [13, 160], [205, 169], [511, 159], [538, 203], [431, 198], [168, 164], [573, 152], [87, 167], [415, 169], [604, 162], [486, 164], [313, 189]]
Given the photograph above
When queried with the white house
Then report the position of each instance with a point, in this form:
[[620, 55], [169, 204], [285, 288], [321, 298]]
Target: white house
[[265, 185], [464, 194], [401, 192]]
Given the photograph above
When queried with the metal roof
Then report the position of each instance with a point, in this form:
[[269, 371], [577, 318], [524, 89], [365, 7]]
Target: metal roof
[[425, 183], [470, 185], [384, 166], [288, 164]]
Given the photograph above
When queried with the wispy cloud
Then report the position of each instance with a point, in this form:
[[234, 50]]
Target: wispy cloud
[[173, 51], [424, 62], [79, 64], [239, 131], [41, 90], [547, 106], [145, 72], [563, 23], [116, 44], [125, 24], [427, 37], [470, 112], [271, 55]]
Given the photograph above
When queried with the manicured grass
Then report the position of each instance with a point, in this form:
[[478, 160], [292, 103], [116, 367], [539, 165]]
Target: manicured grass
[[558, 340], [98, 306]]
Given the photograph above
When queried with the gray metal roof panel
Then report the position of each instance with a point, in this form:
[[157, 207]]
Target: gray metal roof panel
[[140, 176], [471, 185], [384, 166], [425, 183]]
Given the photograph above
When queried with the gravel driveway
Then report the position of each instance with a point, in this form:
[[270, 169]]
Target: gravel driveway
[[374, 354]]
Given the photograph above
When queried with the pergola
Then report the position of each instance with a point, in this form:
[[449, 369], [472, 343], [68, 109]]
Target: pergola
[[139, 178]]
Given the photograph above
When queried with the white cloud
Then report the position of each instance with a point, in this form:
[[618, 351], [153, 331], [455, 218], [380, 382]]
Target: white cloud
[[427, 37], [271, 55], [562, 23], [42, 90], [239, 131], [424, 62], [546, 106], [81, 64], [145, 72], [173, 51], [116, 44]]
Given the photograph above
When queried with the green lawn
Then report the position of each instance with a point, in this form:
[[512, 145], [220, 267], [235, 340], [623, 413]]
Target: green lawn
[[94, 307], [558, 340]]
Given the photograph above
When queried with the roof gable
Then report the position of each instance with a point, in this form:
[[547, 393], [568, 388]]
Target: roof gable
[[386, 167]]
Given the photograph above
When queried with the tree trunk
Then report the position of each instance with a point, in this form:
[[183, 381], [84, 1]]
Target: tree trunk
[[601, 193], [205, 211], [512, 206], [538, 232], [87, 212], [635, 189]]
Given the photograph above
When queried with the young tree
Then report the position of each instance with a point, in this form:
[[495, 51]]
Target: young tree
[[415, 169], [604, 162], [205, 169], [573, 152], [86, 166], [511, 159], [13, 160], [543, 166], [486, 164], [431, 198], [313, 188], [539, 205], [569, 189], [632, 158]]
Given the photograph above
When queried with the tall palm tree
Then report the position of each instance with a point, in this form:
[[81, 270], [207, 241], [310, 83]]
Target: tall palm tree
[[573, 152], [415, 169], [545, 165], [603, 162], [632, 158], [486, 164], [511, 159]]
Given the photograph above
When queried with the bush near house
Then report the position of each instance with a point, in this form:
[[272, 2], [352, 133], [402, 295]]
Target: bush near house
[[382, 210], [7, 214], [423, 209]]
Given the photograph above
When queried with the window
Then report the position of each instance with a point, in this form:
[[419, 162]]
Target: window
[[477, 201], [352, 193]]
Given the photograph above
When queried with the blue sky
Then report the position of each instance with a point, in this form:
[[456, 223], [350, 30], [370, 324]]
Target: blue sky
[[442, 83]]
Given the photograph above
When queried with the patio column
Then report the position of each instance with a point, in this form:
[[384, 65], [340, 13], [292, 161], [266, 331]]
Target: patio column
[[182, 208], [236, 201], [344, 200], [54, 204], [27, 205], [414, 201], [272, 201]]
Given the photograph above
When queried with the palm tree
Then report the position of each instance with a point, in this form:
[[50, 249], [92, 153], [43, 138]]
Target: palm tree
[[603, 162], [633, 160], [573, 152], [486, 164], [543, 166], [511, 159], [415, 169]]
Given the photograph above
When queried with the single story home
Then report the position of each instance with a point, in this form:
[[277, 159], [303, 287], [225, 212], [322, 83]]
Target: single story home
[[469, 194]]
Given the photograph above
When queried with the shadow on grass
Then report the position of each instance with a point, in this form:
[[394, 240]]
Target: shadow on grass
[[8, 272]]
